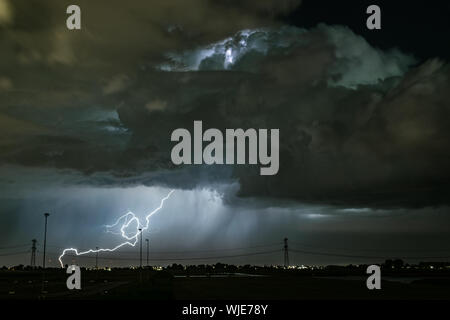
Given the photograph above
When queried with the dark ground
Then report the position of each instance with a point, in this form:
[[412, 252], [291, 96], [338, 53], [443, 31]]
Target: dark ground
[[163, 285]]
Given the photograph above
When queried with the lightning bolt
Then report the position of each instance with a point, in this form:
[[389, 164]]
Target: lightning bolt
[[126, 220]]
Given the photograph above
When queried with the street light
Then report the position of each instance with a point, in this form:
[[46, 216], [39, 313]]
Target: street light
[[146, 240], [140, 251], [45, 237]]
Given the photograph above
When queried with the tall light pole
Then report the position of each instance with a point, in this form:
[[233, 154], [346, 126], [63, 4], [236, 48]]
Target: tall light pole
[[140, 251], [45, 237], [146, 240]]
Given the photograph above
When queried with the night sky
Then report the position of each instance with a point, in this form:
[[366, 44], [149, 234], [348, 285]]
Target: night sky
[[86, 118]]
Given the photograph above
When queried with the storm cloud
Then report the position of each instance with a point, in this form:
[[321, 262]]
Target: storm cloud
[[373, 136], [358, 126]]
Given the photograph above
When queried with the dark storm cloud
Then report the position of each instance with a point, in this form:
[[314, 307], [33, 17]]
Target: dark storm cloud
[[358, 126], [115, 31], [51, 77], [382, 144], [45, 64]]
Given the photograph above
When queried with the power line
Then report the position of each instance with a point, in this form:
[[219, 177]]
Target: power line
[[191, 251], [14, 253], [268, 245], [14, 246], [182, 259], [365, 256], [369, 249], [218, 250]]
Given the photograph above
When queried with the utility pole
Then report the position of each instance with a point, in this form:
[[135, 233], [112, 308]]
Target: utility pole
[[140, 256], [45, 237], [33, 253], [140, 250], [286, 253], [96, 258], [148, 250]]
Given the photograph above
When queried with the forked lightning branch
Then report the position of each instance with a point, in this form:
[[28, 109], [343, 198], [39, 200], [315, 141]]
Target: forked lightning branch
[[127, 219]]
